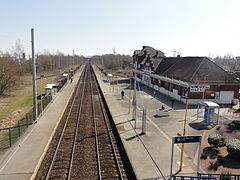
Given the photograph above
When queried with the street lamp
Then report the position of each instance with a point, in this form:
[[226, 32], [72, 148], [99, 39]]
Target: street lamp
[[184, 128], [204, 81], [134, 103], [129, 100]]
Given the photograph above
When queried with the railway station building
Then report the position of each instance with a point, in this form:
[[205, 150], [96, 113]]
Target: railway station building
[[195, 77]]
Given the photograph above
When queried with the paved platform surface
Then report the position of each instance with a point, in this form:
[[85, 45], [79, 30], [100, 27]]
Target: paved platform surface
[[22, 160], [150, 154]]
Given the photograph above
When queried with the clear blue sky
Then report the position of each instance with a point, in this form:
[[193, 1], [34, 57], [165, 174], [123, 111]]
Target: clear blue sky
[[191, 27]]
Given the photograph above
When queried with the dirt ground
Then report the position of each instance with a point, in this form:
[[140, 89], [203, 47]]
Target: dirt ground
[[227, 164]]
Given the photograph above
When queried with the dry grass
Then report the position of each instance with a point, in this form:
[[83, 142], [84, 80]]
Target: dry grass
[[15, 103]]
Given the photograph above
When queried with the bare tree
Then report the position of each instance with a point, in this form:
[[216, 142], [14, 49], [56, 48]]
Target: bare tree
[[8, 74], [17, 52], [111, 61], [227, 62]]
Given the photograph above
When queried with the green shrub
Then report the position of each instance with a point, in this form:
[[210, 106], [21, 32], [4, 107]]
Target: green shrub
[[233, 147], [216, 140]]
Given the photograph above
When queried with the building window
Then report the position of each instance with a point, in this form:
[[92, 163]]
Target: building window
[[170, 87], [162, 84]]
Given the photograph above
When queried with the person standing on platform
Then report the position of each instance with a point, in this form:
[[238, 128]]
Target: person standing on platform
[[122, 94], [173, 101]]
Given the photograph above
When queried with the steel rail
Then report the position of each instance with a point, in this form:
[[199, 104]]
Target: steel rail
[[96, 133], [76, 131], [108, 129], [65, 125]]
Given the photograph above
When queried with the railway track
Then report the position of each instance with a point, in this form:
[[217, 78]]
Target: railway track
[[86, 144]]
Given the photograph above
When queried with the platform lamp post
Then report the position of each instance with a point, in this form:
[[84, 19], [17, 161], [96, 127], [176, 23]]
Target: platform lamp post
[[129, 99], [73, 59], [41, 92], [134, 103], [184, 128], [35, 110], [204, 81], [113, 82]]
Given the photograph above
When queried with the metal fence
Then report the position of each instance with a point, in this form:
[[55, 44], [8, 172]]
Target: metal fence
[[10, 135], [221, 176], [182, 177]]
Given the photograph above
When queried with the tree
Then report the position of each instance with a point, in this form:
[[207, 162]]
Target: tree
[[17, 52], [113, 61], [8, 74], [228, 62]]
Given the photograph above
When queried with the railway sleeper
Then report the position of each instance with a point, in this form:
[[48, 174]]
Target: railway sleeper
[[106, 154], [110, 176], [107, 163], [104, 142], [109, 167], [105, 150], [108, 158]]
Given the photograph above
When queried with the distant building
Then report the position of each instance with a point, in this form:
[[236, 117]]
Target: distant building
[[186, 76]]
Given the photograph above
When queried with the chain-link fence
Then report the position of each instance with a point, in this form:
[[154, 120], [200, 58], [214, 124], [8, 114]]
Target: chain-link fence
[[10, 135]]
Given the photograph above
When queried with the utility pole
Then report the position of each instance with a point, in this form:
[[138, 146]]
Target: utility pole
[[73, 58], [204, 81], [134, 114], [129, 100], [35, 111]]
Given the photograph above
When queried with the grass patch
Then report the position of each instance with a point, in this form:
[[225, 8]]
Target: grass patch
[[21, 103]]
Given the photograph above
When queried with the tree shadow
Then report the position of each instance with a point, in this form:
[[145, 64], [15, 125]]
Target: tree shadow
[[231, 162], [160, 115], [210, 152], [122, 81], [199, 125]]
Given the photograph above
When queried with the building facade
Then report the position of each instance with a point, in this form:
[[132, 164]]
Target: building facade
[[197, 78]]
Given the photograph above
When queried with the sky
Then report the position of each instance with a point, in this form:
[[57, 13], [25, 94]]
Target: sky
[[96, 27]]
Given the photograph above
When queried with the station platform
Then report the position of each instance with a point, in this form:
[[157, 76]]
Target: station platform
[[150, 154], [22, 161]]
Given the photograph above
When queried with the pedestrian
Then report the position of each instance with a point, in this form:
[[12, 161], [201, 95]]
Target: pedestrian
[[173, 101], [122, 94], [71, 79], [162, 108]]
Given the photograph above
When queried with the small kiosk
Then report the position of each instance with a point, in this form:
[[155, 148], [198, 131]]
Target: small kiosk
[[109, 77], [50, 89], [65, 75], [209, 111]]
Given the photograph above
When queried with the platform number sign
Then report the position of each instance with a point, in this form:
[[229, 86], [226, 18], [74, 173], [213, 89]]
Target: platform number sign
[[187, 139]]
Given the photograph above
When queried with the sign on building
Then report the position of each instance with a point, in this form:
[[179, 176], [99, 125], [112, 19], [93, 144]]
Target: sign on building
[[199, 88]]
